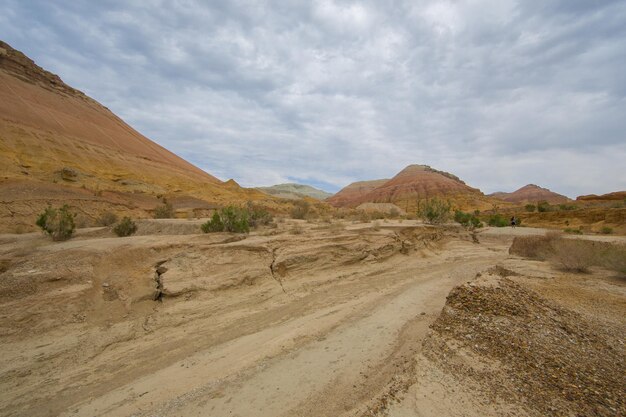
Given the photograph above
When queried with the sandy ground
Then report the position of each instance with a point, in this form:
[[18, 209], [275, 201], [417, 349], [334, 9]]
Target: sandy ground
[[301, 320]]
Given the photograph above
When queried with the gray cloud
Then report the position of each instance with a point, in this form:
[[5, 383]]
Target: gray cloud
[[501, 93]]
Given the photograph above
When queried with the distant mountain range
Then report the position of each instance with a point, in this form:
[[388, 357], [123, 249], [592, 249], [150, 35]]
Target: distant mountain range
[[295, 191]]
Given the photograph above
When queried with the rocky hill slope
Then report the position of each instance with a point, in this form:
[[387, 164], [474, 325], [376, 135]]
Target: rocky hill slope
[[295, 191], [414, 183], [349, 195], [59, 146], [531, 193]]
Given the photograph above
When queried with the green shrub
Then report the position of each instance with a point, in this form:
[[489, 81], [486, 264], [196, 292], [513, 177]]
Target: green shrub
[[229, 219], [573, 231], [567, 207], [165, 211], [107, 219], [213, 225], [497, 220], [259, 216], [300, 210], [126, 227], [606, 230], [58, 223], [433, 210], [543, 206], [530, 207], [467, 220]]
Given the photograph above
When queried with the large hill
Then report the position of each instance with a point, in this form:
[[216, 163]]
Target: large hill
[[57, 145], [531, 193], [347, 196], [414, 183], [294, 191]]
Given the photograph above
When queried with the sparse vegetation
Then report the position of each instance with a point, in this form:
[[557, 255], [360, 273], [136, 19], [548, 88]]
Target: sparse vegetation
[[543, 206], [126, 227], [300, 210], [567, 207], [530, 208], [107, 218], [606, 230], [259, 216], [58, 223], [571, 231], [571, 254], [165, 211], [497, 220], [467, 220], [229, 219], [433, 210]]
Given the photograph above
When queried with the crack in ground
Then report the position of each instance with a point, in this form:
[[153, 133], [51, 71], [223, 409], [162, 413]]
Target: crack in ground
[[280, 282]]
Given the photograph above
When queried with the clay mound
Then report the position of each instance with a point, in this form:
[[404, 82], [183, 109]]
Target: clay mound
[[52, 133], [419, 182], [347, 196], [615, 196], [531, 193], [294, 191]]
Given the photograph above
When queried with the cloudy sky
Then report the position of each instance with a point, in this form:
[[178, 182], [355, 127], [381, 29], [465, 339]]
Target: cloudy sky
[[501, 93]]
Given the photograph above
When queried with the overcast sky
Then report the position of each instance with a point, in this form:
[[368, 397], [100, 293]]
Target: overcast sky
[[501, 93]]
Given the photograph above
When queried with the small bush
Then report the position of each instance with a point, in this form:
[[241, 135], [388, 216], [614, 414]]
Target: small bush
[[58, 223], [543, 206], [573, 255], [467, 220], [433, 210], [376, 226], [259, 216], [606, 230], [573, 231], [107, 219], [229, 219], [213, 225], [300, 210], [530, 207], [364, 217], [567, 207], [497, 220], [126, 227], [165, 211]]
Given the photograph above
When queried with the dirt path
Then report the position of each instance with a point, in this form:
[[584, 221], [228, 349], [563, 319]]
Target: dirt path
[[227, 340]]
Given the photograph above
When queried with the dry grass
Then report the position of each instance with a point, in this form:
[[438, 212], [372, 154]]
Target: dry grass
[[573, 255], [576, 255]]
